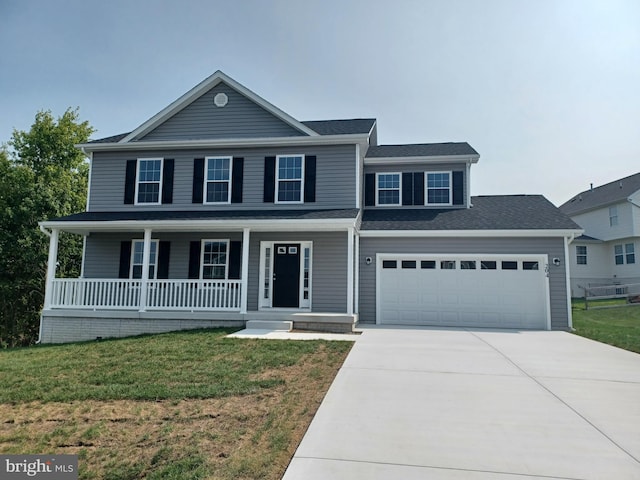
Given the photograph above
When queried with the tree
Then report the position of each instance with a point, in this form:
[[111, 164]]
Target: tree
[[44, 176]]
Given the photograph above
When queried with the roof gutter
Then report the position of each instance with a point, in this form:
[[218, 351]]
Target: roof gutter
[[470, 233], [85, 227], [469, 159], [350, 139]]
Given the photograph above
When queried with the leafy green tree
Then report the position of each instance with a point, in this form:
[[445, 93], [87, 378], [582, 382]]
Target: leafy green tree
[[43, 176]]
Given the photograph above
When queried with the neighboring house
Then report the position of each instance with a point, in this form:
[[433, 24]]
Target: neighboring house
[[610, 217], [222, 209]]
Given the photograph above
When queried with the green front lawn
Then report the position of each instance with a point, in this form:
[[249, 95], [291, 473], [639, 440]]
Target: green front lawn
[[188, 405], [615, 325]]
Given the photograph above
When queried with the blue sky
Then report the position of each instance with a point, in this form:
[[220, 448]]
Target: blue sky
[[548, 92]]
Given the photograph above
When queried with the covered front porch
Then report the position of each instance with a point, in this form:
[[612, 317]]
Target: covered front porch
[[146, 276]]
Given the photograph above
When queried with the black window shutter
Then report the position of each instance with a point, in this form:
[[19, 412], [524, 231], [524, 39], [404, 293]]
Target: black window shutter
[[310, 178], [407, 188], [236, 179], [194, 259], [198, 180], [369, 189], [235, 260], [269, 179], [167, 181], [164, 249], [418, 188], [130, 182], [125, 259], [458, 188]]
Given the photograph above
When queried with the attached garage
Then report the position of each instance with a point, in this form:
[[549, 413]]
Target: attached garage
[[496, 291]]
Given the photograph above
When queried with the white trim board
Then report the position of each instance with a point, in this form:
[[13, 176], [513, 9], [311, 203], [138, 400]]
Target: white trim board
[[350, 139], [468, 233]]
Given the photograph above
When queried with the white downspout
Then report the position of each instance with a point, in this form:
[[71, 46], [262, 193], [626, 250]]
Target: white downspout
[[350, 235], [567, 241]]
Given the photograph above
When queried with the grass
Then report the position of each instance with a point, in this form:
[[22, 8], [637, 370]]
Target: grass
[[617, 324], [188, 405]]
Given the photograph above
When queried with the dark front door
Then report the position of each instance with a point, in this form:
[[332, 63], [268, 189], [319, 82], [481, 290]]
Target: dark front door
[[286, 275]]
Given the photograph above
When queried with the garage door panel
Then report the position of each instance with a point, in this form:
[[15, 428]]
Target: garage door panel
[[485, 296]]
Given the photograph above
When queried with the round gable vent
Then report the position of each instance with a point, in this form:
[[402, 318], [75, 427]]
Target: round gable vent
[[220, 100]]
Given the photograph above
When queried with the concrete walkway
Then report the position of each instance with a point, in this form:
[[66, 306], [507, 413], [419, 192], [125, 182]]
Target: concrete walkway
[[416, 403]]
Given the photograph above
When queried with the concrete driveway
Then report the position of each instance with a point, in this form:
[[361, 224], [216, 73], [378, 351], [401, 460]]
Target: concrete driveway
[[416, 403]]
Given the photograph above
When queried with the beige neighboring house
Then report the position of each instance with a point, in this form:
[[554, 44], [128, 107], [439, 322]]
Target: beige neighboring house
[[610, 217]]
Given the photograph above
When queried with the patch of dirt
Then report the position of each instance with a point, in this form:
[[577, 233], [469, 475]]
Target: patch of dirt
[[240, 437]]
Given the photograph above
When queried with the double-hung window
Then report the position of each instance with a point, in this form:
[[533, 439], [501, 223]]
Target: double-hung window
[[629, 253], [624, 254], [581, 254], [289, 175], [149, 177], [438, 185], [613, 216], [214, 264], [618, 254], [217, 180], [388, 188], [137, 256]]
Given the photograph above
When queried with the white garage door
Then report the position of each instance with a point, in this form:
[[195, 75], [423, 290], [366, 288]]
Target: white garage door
[[499, 291]]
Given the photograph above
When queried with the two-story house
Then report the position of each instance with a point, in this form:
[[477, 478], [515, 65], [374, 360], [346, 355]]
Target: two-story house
[[610, 217], [222, 208]]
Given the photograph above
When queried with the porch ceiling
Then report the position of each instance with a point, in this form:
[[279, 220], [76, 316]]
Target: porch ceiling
[[206, 220]]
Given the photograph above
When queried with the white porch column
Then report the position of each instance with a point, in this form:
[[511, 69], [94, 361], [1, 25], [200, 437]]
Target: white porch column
[[244, 275], [146, 256], [51, 267], [350, 234], [356, 294]]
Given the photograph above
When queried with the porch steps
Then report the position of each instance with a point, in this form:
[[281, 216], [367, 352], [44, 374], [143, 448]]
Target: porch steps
[[280, 325]]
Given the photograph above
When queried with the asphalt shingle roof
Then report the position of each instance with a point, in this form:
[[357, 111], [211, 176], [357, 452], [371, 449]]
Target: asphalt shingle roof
[[609, 193], [135, 215], [421, 150], [503, 212], [341, 127], [322, 127]]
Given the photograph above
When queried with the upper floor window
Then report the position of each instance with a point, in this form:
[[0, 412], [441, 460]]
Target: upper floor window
[[581, 254], [613, 216], [624, 255], [137, 257], [438, 188], [289, 175], [217, 180], [215, 259], [388, 188], [149, 177]]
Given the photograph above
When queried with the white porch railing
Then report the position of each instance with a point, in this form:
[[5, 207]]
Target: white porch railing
[[110, 294], [194, 295]]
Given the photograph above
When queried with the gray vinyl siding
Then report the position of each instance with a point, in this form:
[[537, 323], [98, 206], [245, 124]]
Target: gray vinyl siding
[[406, 167], [328, 268], [553, 247], [240, 118], [335, 178], [102, 253], [329, 260]]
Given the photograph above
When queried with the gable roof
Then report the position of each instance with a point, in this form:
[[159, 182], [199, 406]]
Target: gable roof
[[421, 150], [612, 192], [202, 88], [498, 212]]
